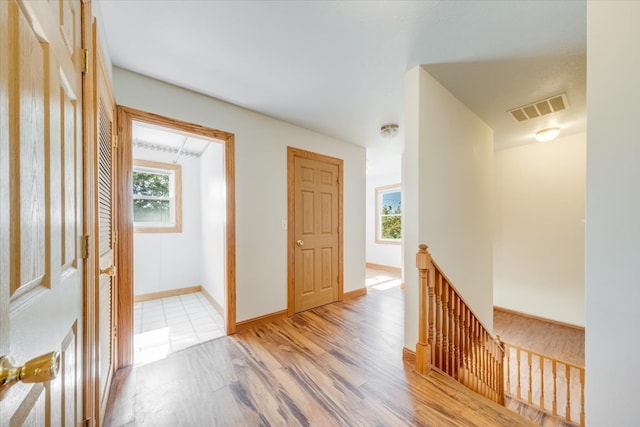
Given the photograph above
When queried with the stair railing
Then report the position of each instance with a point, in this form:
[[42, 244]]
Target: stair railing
[[551, 385], [451, 338]]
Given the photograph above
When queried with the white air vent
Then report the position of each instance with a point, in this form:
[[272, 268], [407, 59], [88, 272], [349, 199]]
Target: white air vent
[[540, 108]]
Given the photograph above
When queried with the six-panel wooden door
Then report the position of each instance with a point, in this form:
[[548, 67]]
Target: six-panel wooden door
[[41, 264], [316, 225]]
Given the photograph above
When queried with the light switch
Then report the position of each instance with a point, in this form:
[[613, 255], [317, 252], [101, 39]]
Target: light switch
[[284, 224]]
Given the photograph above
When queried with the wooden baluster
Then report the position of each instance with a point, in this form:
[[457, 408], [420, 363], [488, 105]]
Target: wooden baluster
[[473, 362], [507, 352], [541, 362], [452, 332], [519, 393], [438, 359], [554, 403], [423, 351], [476, 352], [445, 327], [484, 371], [465, 342], [432, 304], [494, 369], [457, 362], [530, 392], [582, 421], [501, 353], [567, 373]]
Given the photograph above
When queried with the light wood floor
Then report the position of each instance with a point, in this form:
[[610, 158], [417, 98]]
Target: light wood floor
[[337, 365], [562, 342]]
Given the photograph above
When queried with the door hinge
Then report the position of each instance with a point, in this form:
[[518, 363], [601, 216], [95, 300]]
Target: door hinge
[[115, 141], [85, 61], [84, 246], [88, 422], [115, 332], [114, 239]]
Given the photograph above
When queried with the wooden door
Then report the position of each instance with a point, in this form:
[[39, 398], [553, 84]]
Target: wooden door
[[106, 234], [41, 264], [315, 187]]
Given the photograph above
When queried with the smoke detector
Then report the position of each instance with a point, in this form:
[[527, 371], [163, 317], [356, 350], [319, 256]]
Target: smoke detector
[[389, 130]]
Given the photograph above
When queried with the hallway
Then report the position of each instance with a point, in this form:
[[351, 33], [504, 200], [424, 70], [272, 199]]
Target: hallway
[[340, 364]]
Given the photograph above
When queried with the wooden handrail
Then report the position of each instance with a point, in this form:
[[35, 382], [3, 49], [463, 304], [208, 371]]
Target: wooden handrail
[[532, 365], [451, 338]]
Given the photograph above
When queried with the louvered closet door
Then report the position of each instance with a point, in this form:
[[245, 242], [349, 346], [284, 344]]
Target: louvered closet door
[[41, 268], [106, 233]]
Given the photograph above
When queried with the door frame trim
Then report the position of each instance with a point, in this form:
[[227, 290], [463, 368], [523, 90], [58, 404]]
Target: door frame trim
[[125, 116], [292, 153]]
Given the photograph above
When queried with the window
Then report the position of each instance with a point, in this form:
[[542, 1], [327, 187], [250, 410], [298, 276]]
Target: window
[[156, 197], [388, 214]]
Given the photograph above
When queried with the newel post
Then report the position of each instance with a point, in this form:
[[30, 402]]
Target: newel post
[[423, 347]]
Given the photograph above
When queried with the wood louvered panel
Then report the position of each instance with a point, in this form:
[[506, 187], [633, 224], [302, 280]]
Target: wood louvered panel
[[104, 180]]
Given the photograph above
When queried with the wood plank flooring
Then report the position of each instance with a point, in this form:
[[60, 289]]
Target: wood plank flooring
[[337, 365]]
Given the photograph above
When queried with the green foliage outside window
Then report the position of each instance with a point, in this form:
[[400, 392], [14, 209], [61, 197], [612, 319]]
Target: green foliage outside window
[[151, 197], [391, 222]]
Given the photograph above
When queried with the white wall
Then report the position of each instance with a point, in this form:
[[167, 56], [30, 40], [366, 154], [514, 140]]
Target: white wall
[[384, 168], [539, 229], [166, 261], [612, 278], [261, 186], [448, 178], [213, 216]]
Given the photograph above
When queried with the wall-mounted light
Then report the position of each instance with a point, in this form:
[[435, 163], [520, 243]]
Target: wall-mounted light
[[547, 134], [389, 130]]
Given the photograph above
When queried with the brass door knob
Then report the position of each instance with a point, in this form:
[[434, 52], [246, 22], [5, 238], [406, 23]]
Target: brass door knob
[[109, 271], [299, 243], [37, 370]]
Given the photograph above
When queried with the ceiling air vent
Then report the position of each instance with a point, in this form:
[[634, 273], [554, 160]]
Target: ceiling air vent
[[540, 108]]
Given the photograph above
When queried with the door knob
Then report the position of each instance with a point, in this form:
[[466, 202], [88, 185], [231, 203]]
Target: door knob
[[299, 243], [37, 370], [109, 271]]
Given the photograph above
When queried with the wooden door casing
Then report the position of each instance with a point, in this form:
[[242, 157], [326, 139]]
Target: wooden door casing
[[41, 198], [124, 207], [315, 230]]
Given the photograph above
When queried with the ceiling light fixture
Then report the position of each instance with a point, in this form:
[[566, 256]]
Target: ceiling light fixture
[[389, 130], [547, 134]]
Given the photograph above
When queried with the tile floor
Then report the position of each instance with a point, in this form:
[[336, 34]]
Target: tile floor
[[166, 325]]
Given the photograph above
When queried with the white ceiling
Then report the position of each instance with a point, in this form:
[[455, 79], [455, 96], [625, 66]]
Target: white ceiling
[[337, 67]]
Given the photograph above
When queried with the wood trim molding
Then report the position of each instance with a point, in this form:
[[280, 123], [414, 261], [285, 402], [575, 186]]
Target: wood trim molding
[[260, 320], [408, 356], [125, 117], [542, 319], [166, 294], [212, 301], [355, 293], [381, 267], [293, 152]]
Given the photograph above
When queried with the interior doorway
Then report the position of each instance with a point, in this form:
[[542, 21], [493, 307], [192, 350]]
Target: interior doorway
[[178, 238]]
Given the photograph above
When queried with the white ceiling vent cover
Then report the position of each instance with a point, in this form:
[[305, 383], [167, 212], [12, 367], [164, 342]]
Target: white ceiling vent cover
[[540, 108]]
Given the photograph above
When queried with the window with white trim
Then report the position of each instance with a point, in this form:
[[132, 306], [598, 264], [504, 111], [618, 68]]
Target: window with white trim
[[389, 214], [157, 197]]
